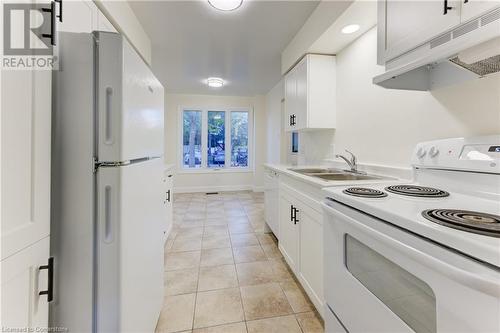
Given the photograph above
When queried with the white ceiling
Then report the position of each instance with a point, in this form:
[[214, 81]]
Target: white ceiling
[[192, 41]]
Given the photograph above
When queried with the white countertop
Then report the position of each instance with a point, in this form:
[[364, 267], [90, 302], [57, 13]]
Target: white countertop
[[285, 169]]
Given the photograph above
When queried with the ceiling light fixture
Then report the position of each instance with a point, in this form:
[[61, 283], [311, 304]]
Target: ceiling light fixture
[[215, 82], [349, 29], [225, 5]]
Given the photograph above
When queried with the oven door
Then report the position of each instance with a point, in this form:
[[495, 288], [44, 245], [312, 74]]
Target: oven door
[[380, 278]]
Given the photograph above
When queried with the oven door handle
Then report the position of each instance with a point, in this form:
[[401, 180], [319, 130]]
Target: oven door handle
[[487, 284]]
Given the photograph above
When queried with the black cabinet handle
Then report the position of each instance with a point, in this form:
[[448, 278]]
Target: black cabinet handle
[[50, 283], [293, 120], [60, 17], [291, 213], [168, 195], [295, 211], [52, 34], [466, 1], [446, 7]]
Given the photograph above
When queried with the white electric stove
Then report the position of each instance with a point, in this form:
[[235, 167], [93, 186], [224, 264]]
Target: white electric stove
[[420, 256]]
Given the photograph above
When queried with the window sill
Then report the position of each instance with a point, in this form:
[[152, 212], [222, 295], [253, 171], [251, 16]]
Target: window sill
[[182, 170]]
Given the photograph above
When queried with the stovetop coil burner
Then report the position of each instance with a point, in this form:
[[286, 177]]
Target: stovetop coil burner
[[465, 220], [364, 192], [417, 191]]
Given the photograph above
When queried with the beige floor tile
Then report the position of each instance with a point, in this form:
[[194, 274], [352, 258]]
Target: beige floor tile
[[264, 301], [215, 257], [235, 213], [212, 230], [266, 239], [272, 251], [198, 223], [194, 215], [310, 323], [215, 221], [186, 244], [218, 307], [296, 297], [248, 254], [190, 232], [287, 324], [241, 228], [217, 277], [281, 270], [182, 281], [176, 314], [216, 242], [182, 260], [253, 273], [239, 240], [228, 328], [237, 220]]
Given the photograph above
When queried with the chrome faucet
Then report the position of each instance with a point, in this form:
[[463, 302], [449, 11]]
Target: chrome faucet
[[352, 162]]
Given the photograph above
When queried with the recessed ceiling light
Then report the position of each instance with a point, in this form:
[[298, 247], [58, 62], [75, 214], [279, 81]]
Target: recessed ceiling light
[[225, 5], [349, 29], [215, 82]]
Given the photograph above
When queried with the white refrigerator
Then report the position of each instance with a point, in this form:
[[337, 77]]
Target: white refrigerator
[[107, 197]]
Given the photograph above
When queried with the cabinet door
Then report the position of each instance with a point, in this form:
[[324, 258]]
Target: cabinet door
[[290, 99], [288, 242], [169, 199], [301, 107], [78, 16], [411, 23], [22, 280], [474, 8], [311, 253], [26, 141]]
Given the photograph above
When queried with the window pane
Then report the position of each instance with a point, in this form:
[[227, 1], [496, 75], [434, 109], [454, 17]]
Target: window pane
[[239, 139], [216, 150], [191, 139]]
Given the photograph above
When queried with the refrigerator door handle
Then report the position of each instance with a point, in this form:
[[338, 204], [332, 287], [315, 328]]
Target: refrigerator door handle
[[108, 134], [108, 215]]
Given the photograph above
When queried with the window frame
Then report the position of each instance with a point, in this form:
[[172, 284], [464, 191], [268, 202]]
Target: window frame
[[204, 140]]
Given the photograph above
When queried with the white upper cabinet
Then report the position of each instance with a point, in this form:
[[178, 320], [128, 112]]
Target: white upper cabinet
[[78, 16], [310, 94], [410, 23], [406, 25], [474, 8]]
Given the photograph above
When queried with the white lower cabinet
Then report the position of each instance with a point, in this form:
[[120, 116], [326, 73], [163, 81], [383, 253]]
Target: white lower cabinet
[[168, 183], [301, 240], [22, 281], [289, 231]]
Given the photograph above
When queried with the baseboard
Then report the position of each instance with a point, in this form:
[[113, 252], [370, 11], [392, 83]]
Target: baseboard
[[204, 189]]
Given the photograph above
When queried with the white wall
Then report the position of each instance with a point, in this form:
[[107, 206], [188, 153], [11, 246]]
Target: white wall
[[276, 144], [124, 20], [382, 126], [215, 180]]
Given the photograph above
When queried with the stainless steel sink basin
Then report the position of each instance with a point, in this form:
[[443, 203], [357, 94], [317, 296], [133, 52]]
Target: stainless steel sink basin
[[316, 171], [345, 176]]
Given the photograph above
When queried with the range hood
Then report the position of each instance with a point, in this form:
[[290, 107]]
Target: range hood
[[471, 50]]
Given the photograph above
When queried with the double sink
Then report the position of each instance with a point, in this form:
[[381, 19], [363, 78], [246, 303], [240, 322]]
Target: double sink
[[334, 174]]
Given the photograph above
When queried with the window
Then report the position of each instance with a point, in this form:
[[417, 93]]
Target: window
[[239, 139], [216, 139], [191, 139]]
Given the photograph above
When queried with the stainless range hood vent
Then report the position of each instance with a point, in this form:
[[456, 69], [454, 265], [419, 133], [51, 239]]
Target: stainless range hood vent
[[483, 67], [469, 51]]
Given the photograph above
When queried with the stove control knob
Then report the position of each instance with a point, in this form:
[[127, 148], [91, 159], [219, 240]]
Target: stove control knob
[[433, 152], [421, 152]]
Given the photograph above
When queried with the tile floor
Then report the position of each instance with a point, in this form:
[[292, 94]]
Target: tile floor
[[224, 273]]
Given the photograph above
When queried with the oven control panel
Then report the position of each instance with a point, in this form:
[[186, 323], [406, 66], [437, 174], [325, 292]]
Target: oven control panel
[[480, 154]]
